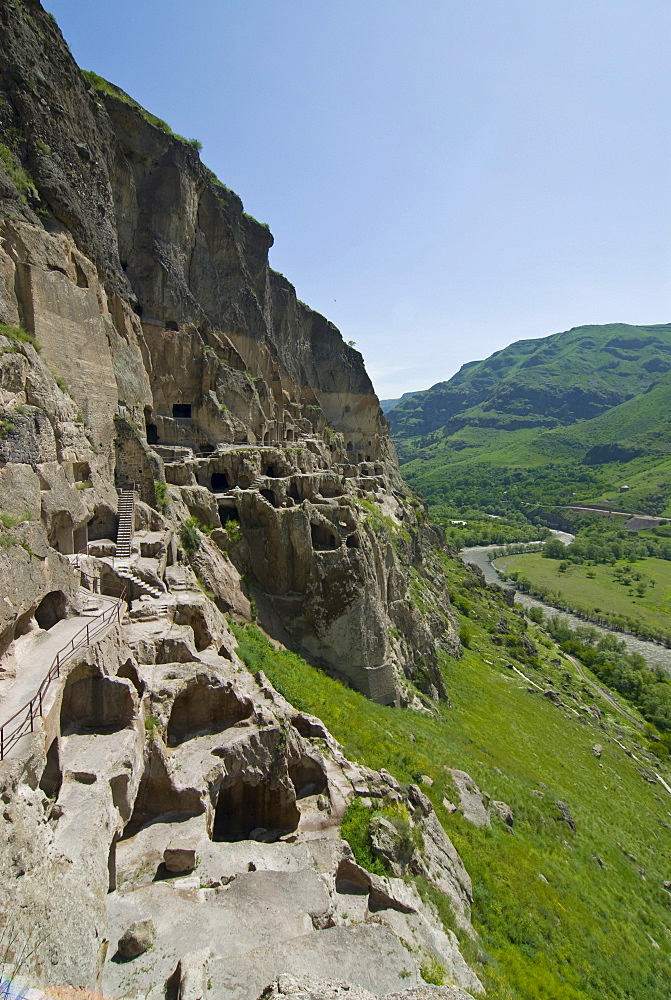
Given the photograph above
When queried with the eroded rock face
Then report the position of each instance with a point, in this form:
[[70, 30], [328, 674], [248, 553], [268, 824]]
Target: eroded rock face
[[181, 354]]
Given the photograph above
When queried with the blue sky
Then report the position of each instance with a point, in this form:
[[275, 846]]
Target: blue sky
[[441, 178]]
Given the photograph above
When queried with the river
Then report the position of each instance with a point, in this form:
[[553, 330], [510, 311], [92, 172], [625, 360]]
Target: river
[[480, 555]]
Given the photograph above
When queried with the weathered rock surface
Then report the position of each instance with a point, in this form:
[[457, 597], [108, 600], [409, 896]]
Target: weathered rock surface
[[314, 989]]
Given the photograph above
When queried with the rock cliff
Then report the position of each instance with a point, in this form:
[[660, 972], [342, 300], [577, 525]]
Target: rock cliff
[[186, 359], [182, 438]]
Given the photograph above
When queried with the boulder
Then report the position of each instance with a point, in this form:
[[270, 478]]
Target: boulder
[[190, 976], [180, 855], [137, 939], [470, 798], [504, 811]]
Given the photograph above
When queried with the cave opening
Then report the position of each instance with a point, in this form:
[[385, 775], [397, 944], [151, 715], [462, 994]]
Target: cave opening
[[219, 482], [94, 703], [204, 708], [269, 496], [181, 410], [228, 514], [243, 808], [51, 609], [52, 776], [307, 777], [322, 539]]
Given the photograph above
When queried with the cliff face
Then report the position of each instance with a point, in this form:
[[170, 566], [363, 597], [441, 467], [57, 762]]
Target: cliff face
[[188, 358], [180, 438]]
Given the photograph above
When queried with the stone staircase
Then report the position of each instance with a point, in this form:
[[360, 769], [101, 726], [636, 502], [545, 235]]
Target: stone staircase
[[123, 569], [126, 517]]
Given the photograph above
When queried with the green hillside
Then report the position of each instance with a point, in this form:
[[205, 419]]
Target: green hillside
[[569, 418]]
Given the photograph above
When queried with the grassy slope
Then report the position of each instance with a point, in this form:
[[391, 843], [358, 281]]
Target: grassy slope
[[604, 591], [585, 933]]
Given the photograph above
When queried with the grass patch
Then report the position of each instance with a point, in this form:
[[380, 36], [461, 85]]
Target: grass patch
[[634, 596], [19, 177], [19, 336]]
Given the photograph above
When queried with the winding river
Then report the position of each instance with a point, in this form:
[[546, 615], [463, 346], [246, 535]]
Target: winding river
[[480, 555]]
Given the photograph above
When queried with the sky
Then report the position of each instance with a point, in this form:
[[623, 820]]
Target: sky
[[442, 177]]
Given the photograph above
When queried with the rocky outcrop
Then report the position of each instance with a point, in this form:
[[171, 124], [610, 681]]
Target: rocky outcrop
[[172, 799], [181, 357]]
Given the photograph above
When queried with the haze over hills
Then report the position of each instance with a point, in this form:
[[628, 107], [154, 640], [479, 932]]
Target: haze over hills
[[572, 416]]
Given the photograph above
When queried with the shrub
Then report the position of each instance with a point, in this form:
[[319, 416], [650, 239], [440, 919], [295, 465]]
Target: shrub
[[432, 971], [465, 636], [355, 830], [190, 536], [19, 177], [161, 495]]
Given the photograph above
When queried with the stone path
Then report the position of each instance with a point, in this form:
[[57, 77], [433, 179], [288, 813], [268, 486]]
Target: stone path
[[35, 652]]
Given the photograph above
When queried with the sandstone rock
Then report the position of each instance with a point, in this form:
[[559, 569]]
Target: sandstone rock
[[597, 750], [137, 939]]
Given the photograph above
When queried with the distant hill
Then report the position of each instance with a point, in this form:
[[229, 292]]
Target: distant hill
[[571, 416], [389, 404], [569, 376]]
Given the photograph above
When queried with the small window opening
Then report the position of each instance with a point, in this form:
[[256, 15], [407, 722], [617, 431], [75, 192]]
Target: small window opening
[[171, 325], [81, 472], [181, 410]]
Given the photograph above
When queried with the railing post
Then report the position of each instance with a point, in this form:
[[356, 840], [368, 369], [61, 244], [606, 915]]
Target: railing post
[[2, 742], [31, 717], [88, 641]]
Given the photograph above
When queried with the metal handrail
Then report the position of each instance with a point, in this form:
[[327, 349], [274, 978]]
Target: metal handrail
[[29, 711]]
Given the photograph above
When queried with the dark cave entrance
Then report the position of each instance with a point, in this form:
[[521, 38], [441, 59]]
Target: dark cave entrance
[[51, 609], [243, 808], [219, 482], [322, 539]]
